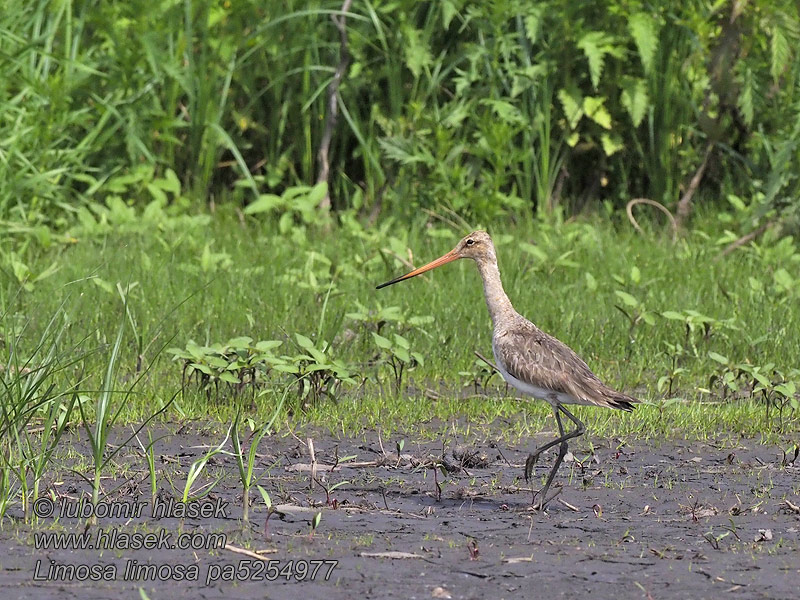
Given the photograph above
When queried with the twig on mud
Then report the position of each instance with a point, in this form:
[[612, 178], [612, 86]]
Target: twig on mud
[[250, 553], [303, 467], [641, 587], [380, 443], [333, 102], [313, 463], [436, 481], [391, 554], [793, 507], [383, 494], [500, 452], [568, 505], [294, 435]]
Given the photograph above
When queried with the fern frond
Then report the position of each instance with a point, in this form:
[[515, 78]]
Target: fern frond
[[746, 94], [405, 152], [634, 98], [596, 45], [780, 52], [644, 30]]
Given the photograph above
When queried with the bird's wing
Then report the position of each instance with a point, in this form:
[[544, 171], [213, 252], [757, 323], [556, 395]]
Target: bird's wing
[[535, 357]]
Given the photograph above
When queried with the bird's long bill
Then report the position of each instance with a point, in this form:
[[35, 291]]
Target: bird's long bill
[[442, 260]]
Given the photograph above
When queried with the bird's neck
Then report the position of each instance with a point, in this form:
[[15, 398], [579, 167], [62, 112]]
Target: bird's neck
[[496, 300]]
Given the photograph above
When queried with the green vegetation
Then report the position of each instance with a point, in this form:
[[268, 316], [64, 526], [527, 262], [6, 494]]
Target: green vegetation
[[173, 247]]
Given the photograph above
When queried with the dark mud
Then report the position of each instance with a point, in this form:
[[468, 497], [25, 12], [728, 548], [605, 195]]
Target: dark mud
[[677, 519]]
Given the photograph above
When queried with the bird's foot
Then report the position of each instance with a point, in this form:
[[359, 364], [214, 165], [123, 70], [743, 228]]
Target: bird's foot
[[541, 503], [529, 464]]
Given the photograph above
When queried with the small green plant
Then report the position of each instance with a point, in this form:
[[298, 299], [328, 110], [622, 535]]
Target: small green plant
[[297, 208], [676, 354], [314, 524], [107, 410], [270, 509], [698, 327], [397, 354], [28, 394], [246, 463], [775, 387], [190, 492], [635, 311], [150, 457], [237, 363], [317, 374]]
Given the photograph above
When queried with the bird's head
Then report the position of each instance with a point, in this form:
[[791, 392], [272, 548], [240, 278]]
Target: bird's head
[[477, 245]]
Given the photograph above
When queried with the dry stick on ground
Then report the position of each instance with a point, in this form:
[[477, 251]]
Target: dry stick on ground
[[313, 463], [685, 203], [648, 202], [333, 102], [745, 239]]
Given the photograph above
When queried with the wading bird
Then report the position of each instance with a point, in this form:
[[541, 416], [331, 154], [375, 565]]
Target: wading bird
[[535, 363]]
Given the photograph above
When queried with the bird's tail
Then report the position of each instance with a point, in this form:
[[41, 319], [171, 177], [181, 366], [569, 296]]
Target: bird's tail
[[621, 401]]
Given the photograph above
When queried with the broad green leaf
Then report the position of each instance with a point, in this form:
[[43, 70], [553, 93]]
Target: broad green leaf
[[381, 341], [535, 251], [229, 377], [303, 341], [671, 314], [594, 109], [202, 368], [264, 203], [266, 345], [611, 143], [723, 360], [626, 298], [401, 341], [783, 279], [317, 193], [402, 354]]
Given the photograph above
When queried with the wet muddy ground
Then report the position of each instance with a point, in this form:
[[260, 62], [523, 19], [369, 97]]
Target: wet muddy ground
[[677, 519]]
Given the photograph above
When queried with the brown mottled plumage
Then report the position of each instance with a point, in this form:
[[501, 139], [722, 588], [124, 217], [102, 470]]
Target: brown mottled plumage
[[529, 359]]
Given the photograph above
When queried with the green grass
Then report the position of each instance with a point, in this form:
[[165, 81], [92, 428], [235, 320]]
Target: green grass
[[212, 283]]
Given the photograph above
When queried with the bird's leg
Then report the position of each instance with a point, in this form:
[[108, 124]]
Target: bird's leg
[[562, 451], [532, 458]]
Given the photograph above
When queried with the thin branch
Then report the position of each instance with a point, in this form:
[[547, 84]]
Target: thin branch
[[745, 239], [648, 202], [333, 103], [685, 203]]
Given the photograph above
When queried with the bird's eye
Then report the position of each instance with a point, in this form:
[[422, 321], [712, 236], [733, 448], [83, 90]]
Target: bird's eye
[[470, 242]]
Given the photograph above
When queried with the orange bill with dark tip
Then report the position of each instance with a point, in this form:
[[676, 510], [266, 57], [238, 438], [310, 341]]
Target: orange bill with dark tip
[[443, 260]]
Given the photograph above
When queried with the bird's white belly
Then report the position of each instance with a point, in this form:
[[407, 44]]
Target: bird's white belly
[[530, 389]]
